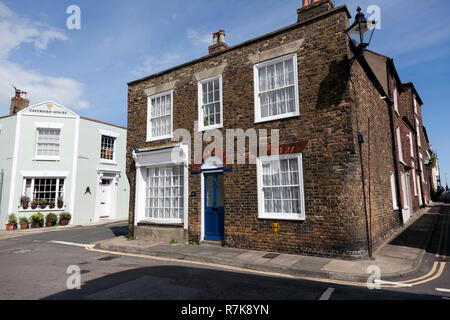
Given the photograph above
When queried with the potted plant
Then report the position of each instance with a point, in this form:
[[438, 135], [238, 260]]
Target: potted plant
[[60, 202], [37, 219], [12, 222], [23, 222], [51, 204], [34, 204], [51, 219], [64, 218], [43, 203], [24, 202]]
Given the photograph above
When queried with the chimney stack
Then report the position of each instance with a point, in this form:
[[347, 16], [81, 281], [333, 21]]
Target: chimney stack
[[218, 42], [19, 102], [317, 7]]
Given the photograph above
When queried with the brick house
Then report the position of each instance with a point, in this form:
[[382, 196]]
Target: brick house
[[329, 189], [411, 140]]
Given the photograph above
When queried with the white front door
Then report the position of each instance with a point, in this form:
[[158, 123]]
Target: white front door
[[408, 198], [104, 200]]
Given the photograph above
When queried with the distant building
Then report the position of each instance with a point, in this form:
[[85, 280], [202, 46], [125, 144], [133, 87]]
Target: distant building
[[50, 153], [410, 137]]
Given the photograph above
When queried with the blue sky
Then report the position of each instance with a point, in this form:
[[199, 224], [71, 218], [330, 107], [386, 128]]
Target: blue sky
[[87, 70]]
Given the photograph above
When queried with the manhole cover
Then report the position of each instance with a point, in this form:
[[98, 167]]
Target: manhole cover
[[108, 258], [271, 256]]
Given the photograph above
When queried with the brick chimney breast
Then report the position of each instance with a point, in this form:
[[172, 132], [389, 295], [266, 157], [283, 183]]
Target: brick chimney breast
[[316, 8], [218, 42], [19, 102]]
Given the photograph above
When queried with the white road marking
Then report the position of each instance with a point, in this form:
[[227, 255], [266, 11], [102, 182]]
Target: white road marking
[[70, 243], [446, 298], [443, 290], [393, 283], [327, 294]]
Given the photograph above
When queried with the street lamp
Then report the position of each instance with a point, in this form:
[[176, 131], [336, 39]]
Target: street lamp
[[361, 31]]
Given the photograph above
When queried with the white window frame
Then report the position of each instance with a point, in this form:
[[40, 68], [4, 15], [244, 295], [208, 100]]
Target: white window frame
[[415, 105], [34, 178], [396, 98], [421, 167], [160, 158], [414, 179], [259, 171], [399, 142], [149, 129], [201, 126], [411, 145], [108, 161], [419, 142], [256, 67], [394, 192], [50, 126]]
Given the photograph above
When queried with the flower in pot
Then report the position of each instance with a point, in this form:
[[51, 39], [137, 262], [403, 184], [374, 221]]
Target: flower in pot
[[23, 222], [24, 202], [64, 218], [12, 222], [34, 204], [51, 219], [51, 204], [60, 202], [43, 203], [37, 220]]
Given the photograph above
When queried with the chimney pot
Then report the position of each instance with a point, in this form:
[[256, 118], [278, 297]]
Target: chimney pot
[[218, 42], [221, 36], [18, 102], [305, 3]]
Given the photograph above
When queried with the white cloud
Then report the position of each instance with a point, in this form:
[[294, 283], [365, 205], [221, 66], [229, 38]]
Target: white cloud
[[197, 38], [151, 65], [16, 31]]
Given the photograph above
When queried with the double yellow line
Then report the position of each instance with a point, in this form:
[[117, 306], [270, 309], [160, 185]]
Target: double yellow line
[[439, 266], [430, 276]]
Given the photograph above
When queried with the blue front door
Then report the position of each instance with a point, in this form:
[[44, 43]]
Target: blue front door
[[214, 213]]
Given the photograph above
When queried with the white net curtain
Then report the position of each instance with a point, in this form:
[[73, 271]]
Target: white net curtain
[[277, 88], [161, 119], [281, 186]]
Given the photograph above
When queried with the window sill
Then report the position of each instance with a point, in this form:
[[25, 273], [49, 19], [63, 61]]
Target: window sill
[[55, 159], [268, 119], [108, 162], [41, 210], [156, 222], [160, 138], [282, 217], [218, 126]]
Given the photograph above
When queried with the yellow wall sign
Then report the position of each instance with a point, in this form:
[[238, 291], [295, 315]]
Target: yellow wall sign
[[275, 227]]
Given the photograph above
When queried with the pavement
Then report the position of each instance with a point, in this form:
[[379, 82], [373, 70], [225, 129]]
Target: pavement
[[400, 256], [22, 232]]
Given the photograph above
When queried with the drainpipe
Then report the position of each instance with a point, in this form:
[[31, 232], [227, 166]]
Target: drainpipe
[[361, 140]]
